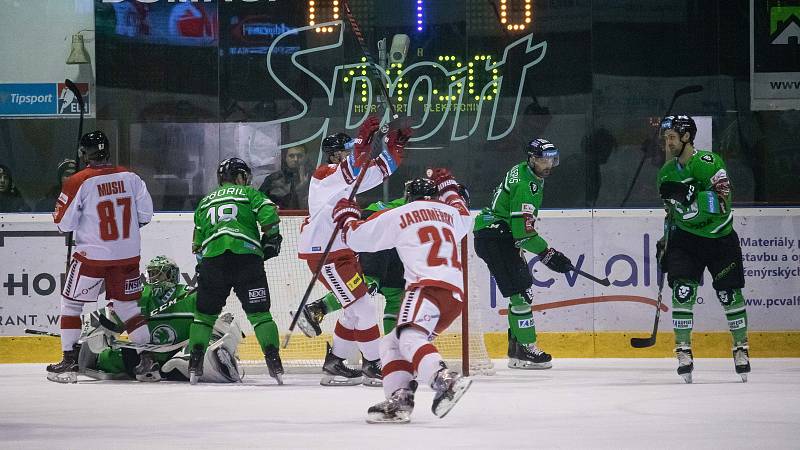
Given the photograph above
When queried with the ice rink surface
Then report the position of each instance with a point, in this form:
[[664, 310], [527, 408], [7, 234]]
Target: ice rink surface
[[580, 403]]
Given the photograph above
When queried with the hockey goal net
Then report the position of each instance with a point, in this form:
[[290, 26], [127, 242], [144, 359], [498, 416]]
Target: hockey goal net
[[462, 344]]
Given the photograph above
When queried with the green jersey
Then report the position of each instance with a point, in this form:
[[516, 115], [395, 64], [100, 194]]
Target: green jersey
[[170, 312], [380, 206], [228, 219], [709, 215], [516, 201]]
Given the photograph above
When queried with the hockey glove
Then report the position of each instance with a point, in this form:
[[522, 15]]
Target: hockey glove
[[555, 261], [677, 191], [271, 245], [364, 139], [345, 211], [661, 248], [396, 143], [444, 181]]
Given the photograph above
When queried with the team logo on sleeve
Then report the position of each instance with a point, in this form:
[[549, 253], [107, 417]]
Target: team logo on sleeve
[[534, 188], [707, 158]]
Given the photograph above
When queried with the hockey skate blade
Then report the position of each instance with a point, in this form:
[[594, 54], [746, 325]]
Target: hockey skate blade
[[687, 377], [332, 380], [63, 378], [399, 418], [279, 378], [372, 382], [514, 363], [193, 378], [460, 388], [744, 377]]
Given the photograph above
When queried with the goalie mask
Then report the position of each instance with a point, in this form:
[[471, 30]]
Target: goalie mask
[[542, 157], [681, 125], [162, 272], [231, 168], [420, 188], [95, 147]]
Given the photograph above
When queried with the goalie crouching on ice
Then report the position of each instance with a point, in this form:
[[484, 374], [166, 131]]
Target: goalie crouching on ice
[[170, 307]]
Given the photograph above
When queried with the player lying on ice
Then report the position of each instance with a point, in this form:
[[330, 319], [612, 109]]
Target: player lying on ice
[[426, 233], [170, 308]]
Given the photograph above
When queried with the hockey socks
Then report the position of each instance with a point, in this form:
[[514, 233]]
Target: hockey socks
[[70, 323], [520, 319], [684, 295], [265, 329], [732, 302], [200, 331]]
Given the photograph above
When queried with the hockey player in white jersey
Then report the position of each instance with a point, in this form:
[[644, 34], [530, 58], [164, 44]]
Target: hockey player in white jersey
[[358, 325], [426, 233], [104, 205]]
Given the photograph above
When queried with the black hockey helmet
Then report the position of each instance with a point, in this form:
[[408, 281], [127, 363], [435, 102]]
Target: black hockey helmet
[[681, 125], [420, 188], [542, 148], [336, 143], [463, 192], [230, 168], [95, 147]]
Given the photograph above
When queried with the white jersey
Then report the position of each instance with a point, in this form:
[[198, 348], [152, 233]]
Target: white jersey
[[105, 206], [330, 183], [427, 235]]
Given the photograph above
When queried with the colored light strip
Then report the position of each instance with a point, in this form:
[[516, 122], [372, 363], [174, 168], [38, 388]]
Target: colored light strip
[[504, 14], [420, 15], [313, 9]]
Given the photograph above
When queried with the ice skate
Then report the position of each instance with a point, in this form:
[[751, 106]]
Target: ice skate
[[449, 387], [685, 363], [372, 372], [396, 409], [336, 373], [228, 364], [311, 317], [66, 371], [148, 368], [527, 356], [196, 364], [741, 359], [274, 364]]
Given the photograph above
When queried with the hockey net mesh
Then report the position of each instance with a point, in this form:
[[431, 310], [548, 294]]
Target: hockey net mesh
[[288, 278]]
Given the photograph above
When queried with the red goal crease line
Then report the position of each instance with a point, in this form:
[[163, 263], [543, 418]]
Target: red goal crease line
[[588, 300]]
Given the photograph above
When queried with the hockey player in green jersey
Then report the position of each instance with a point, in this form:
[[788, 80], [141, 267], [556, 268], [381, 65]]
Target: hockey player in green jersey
[[502, 231], [170, 307], [699, 234], [232, 251]]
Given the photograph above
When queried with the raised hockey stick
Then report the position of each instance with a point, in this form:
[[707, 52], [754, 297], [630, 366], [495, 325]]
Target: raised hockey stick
[[359, 178], [603, 281], [694, 88], [75, 91], [41, 332], [651, 341]]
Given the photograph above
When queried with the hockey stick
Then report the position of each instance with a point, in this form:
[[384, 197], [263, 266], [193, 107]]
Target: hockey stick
[[359, 178], [75, 91], [651, 341], [694, 88], [603, 281], [41, 332]]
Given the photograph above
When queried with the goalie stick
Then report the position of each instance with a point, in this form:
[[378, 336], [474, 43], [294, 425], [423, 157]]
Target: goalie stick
[[116, 344], [359, 178], [77, 93]]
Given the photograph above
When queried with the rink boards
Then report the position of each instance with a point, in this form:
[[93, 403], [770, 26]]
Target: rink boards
[[574, 316]]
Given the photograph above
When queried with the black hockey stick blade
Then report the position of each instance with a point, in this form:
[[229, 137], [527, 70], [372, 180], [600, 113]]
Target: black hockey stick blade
[[602, 281], [74, 88], [650, 341], [41, 332], [643, 342]]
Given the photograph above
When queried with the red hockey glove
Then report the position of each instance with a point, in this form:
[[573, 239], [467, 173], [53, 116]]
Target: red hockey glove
[[364, 139], [345, 211], [396, 143], [444, 181]]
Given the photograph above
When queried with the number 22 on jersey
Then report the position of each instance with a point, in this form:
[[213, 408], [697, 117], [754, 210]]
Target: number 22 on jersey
[[433, 235]]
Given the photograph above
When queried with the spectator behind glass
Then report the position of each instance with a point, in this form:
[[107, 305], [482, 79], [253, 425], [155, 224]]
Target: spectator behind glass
[[288, 187], [10, 198], [66, 169]]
